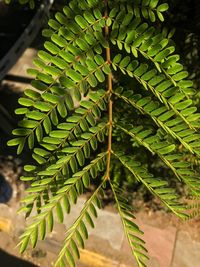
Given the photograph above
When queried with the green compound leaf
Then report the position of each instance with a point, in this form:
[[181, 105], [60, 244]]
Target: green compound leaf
[[107, 88]]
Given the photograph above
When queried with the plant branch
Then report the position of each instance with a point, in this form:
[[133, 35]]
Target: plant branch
[[109, 90]]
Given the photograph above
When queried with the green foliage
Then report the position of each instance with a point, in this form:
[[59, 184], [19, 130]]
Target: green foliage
[[186, 34], [31, 3], [81, 116], [131, 230]]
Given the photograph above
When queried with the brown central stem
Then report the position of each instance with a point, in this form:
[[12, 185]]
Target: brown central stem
[[110, 103]]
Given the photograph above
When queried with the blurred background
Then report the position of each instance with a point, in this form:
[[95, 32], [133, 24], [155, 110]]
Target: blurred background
[[170, 242]]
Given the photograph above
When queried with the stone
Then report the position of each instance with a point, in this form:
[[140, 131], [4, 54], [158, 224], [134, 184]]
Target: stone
[[58, 233], [153, 263], [159, 243], [130, 260], [107, 226], [88, 258], [20, 68], [6, 211], [10, 221], [91, 259], [103, 247], [187, 251], [126, 251], [24, 62], [75, 212], [5, 225]]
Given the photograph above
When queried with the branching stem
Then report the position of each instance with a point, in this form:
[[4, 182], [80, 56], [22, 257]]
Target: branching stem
[[110, 103]]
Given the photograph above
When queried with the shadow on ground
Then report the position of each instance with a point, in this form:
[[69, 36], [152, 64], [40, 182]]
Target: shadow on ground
[[12, 261]]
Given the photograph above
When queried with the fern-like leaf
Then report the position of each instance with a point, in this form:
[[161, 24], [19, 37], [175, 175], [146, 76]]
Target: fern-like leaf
[[164, 149], [158, 187], [132, 231], [107, 78], [62, 200], [165, 118], [78, 232]]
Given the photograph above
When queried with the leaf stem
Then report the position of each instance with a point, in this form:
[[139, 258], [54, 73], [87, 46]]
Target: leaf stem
[[110, 103]]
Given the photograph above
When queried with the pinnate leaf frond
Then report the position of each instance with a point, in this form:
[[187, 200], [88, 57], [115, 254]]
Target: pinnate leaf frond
[[157, 186], [167, 153], [131, 229], [107, 80], [164, 118], [61, 201], [77, 233]]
